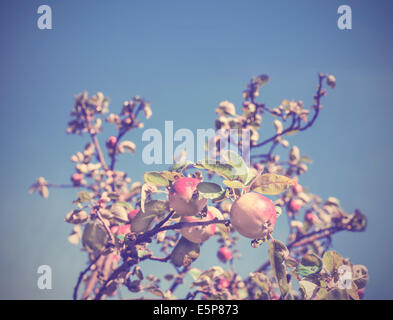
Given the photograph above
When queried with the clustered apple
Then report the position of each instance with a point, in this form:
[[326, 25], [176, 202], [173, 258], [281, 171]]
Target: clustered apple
[[253, 216], [295, 205], [184, 197], [224, 254], [199, 234]]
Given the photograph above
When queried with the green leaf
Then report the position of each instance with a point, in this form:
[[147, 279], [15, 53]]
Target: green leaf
[[94, 236], [180, 166], [332, 261], [291, 262], [210, 190], [155, 291], [126, 205], [170, 175], [185, 252], [142, 252], [308, 289], [334, 294], [84, 196], [213, 272], [278, 210], [113, 196], [278, 253], [222, 169], [353, 294], [306, 159], [223, 230], [250, 178], [291, 132], [233, 184], [271, 183], [195, 273], [155, 179], [242, 293], [119, 213], [144, 219], [77, 216], [121, 237], [240, 168], [310, 264], [156, 207]]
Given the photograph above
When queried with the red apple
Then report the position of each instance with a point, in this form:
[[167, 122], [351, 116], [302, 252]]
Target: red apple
[[224, 254], [132, 214], [184, 198], [111, 142], [224, 283], [124, 229], [311, 218], [253, 216], [199, 234], [76, 178], [295, 205], [297, 188]]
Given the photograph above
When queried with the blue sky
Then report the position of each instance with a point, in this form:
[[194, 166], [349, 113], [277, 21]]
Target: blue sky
[[186, 57]]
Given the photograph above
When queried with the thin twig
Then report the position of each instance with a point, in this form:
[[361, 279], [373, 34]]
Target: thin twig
[[108, 231], [81, 275]]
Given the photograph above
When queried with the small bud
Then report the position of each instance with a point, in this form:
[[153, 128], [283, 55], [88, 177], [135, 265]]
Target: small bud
[[331, 81], [278, 126], [294, 154]]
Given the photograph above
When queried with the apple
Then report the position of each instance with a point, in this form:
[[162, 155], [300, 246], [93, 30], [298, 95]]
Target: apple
[[76, 178], [297, 188], [199, 234], [253, 216], [311, 217], [224, 254], [295, 205], [132, 214], [223, 283], [184, 198], [111, 141], [124, 229]]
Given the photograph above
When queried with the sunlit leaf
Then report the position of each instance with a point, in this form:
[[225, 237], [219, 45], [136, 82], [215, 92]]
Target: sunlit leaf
[[222, 169], [332, 261], [195, 273], [233, 184], [171, 175], [94, 236], [278, 253], [308, 288], [84, 196], [156, 179], [272, 184], [240, 169]]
